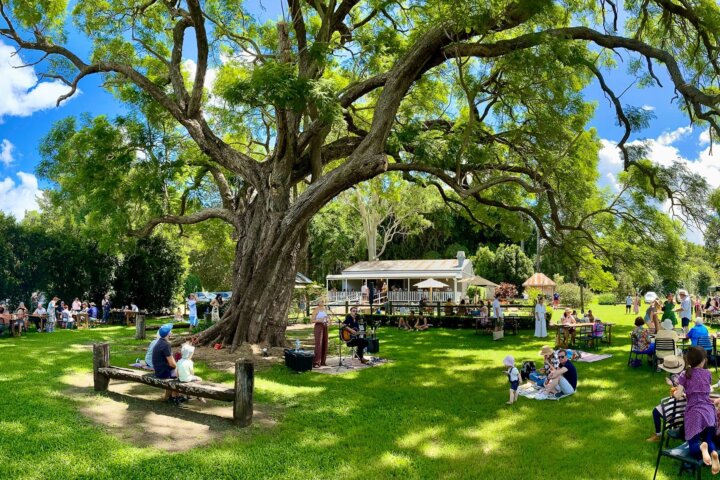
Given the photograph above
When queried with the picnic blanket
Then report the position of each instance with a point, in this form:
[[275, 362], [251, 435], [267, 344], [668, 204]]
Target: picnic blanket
[[592, 357], [530, 390]]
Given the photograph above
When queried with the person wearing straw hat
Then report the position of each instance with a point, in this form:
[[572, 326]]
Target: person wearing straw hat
[[550, 363], [674, 365], [685, 309], [666, 331]]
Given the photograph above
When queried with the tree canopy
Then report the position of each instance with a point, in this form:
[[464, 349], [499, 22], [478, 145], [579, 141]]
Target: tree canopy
[[480, 101]]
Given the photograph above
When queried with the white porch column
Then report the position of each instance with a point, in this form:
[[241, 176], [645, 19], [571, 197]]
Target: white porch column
[[457, 300]]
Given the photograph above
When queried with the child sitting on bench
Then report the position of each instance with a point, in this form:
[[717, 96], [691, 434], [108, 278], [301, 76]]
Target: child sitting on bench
[[186, 367]]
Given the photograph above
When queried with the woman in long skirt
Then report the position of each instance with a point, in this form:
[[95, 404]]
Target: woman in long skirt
[[216, 303], [320, 322]]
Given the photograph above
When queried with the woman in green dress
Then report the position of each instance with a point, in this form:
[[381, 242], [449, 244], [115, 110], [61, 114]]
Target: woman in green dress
[[668, 309]]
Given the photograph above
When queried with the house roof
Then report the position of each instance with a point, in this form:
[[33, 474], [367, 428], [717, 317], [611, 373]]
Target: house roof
[[446, 268], [538, 280], [405, 265]]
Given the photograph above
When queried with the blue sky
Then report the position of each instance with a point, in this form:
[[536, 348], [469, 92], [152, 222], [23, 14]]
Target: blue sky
[[28, 111]]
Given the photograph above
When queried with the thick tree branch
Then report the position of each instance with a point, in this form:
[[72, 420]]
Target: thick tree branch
[[220, 213]]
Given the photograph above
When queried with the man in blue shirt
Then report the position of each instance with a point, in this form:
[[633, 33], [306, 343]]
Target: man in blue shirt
[[699, 330]]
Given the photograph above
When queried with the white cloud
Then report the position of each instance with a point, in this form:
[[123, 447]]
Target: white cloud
[[20, 91], [704, 138], [17, 199], [661, 151], [648, 108], [668, 138], [6, 152]]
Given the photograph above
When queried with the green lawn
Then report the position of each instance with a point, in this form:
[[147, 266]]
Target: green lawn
[[436, 411]]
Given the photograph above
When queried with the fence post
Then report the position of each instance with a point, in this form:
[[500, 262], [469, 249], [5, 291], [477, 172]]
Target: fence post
[[390, 310], [244, 384], [438, 308], [139, 327], [101, 359], [347, 307]]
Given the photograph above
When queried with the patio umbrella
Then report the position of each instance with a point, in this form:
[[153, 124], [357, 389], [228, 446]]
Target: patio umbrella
[[478, 281], [430, 283]]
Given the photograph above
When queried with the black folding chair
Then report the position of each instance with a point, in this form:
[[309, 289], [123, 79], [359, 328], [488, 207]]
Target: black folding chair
[[672, 427], [663, 346], [636, 353], [708, 345]]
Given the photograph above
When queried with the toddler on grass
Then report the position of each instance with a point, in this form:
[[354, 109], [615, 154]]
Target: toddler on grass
[[513, 377]]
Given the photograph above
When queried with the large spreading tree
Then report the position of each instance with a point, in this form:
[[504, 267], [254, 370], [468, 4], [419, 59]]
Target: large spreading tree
[[481, 100]]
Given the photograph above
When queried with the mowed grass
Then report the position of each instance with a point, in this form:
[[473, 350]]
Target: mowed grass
[[436, 411]]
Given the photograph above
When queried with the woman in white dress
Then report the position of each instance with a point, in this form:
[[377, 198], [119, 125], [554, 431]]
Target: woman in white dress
[[540, 323]]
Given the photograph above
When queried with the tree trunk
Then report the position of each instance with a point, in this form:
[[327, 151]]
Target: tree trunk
[[264, 279]]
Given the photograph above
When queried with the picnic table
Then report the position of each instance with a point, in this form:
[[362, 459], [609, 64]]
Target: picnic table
[[79, 317], [560, 327]]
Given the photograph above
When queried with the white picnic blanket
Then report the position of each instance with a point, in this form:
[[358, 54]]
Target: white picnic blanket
[[531, 390]]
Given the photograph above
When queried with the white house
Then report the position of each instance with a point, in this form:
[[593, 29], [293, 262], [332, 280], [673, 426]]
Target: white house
[[401, 277]]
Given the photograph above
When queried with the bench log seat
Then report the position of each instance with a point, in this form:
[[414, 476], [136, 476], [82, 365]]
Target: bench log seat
[[241, 395]]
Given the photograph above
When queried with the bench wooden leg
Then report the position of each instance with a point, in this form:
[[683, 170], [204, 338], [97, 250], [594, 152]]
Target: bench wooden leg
[[101, 359], [244, 383]]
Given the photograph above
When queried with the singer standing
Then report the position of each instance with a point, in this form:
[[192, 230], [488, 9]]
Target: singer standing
[[320, 320]]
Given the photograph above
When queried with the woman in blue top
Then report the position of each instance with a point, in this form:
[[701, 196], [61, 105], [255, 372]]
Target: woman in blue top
[[192, 309]]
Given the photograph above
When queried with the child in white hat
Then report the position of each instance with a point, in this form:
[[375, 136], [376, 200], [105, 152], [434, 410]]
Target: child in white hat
[[513, 376], [186, 367]]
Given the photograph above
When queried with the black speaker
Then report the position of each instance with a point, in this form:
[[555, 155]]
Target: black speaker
[[373, 345], [299, 361]]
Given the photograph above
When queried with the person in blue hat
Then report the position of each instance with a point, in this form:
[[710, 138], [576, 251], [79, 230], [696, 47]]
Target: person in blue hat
[[163, 361]]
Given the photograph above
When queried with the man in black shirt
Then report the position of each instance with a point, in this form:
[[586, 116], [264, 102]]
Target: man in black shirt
[[563, 380], [351, 325]]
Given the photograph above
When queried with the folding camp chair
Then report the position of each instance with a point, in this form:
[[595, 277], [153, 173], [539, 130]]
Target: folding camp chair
[[672, 427]]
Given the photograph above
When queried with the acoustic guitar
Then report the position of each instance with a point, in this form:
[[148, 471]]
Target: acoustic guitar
[[346, 336]]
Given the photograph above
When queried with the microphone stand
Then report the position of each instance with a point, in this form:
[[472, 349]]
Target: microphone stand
[[341, 362]]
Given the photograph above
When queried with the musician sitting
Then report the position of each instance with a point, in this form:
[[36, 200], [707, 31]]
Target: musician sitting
[[353, 327]]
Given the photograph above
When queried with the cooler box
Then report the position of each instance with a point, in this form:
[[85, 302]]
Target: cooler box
[[373, 345], [300, 361]]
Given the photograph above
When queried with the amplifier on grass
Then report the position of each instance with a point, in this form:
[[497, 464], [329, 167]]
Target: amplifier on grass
[[298, 360], [373, 345]]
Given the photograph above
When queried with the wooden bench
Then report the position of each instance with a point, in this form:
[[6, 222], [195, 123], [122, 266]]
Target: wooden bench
[[241, 395]]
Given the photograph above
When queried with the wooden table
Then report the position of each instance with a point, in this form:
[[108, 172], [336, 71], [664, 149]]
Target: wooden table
[[561, 327], [79, 317], [42, 320]]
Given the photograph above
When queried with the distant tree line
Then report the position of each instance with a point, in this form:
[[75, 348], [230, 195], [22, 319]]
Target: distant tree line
[[59, 262]]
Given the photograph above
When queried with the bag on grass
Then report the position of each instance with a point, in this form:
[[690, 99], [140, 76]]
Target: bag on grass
[[527, 369]]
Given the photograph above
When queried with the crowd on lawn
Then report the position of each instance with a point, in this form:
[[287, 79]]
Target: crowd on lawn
[[57, 313]]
